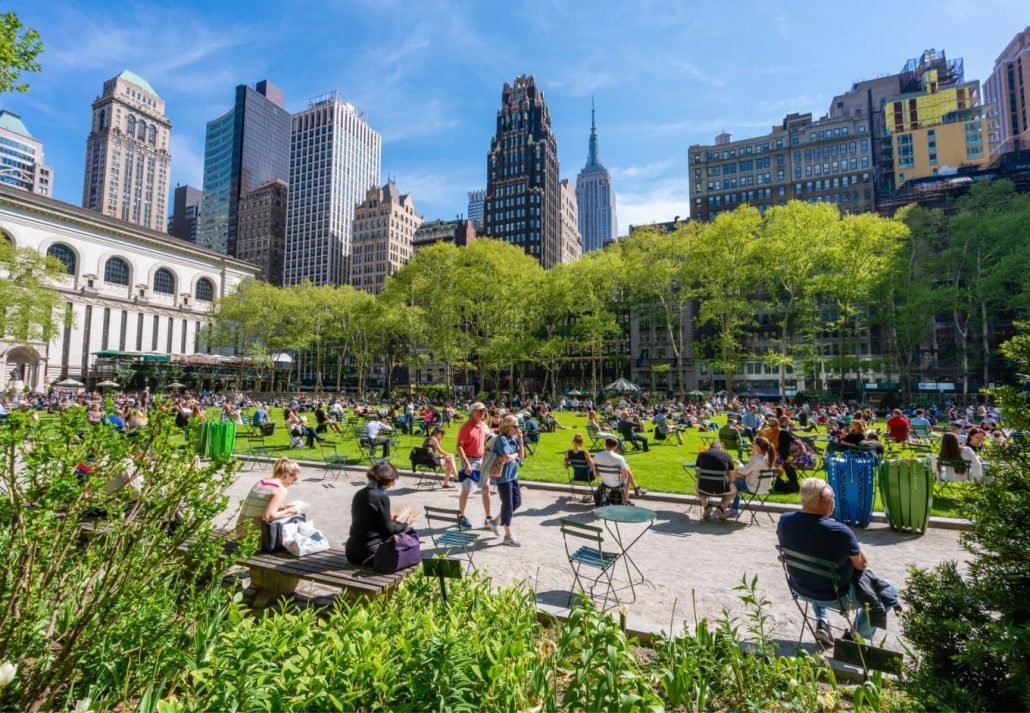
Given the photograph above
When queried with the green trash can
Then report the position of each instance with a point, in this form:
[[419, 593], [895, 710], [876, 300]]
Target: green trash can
[[211, 439], [221, 438], [906, 486]]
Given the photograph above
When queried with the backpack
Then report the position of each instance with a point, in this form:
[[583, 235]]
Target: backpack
[[605, 495]]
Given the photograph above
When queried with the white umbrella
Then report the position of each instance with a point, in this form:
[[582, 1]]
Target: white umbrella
[[69, 383], [108, 384]]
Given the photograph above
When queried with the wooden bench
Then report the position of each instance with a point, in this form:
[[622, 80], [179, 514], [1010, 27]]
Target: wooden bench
[[281, 572]]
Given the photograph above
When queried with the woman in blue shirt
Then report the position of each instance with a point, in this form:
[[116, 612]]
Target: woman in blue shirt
[[510, 452]]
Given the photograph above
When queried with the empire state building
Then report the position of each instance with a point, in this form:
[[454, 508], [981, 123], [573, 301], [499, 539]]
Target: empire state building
[[595, 197]]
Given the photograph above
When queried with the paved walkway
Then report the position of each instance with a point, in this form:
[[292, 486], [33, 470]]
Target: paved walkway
[[691, 565]]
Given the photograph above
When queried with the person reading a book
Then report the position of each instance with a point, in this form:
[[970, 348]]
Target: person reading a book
[[372, 523]]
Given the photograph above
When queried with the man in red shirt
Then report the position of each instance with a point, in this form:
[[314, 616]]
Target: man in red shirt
[[898, 426], [471, 442]]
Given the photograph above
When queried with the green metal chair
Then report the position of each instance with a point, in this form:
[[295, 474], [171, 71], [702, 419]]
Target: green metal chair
[[334, 462], [452, 537], [591, 556], [766, 478], [795, 562]]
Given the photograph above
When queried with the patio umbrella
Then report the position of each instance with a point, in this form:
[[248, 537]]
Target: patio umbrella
[[574, 392], [69, 383], [695, 392], [175, 385], [622, 386], [108, 384]]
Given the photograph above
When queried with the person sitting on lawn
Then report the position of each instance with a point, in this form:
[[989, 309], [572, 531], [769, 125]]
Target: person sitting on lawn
[[952, 450], [578, 458], [714, 458], [624, 479], [377, 431], [443, 458], [594, 425], [729, 436], [745, 478], [898, 425], [627, 429], [662, 426]]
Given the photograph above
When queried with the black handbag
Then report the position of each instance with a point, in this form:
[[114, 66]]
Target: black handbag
[[272, 532]]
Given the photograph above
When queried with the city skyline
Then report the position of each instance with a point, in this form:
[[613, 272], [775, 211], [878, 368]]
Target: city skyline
[[673, 81]]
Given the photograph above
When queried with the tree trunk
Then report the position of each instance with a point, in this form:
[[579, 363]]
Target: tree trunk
[[985, 336]]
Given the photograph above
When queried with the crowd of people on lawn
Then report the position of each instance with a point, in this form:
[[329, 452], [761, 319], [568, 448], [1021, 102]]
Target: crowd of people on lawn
[[491, 446]]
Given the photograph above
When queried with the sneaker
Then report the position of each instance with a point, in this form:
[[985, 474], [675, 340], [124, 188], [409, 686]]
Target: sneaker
[[492, 525], [638, 491], [732, 512], [463, 523], [823, 633], [511, 541]]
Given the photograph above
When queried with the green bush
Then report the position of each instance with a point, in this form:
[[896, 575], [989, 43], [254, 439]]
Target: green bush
[[101, 616], [971, 634]]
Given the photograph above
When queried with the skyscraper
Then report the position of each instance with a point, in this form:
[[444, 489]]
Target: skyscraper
[[186, 208], [21, 157], [384, 225], [261, 229], [1009, 93], [595, 196], [475, 212], [246, 147], [128, 163], [334, 157], [571, 240], [523, 195]]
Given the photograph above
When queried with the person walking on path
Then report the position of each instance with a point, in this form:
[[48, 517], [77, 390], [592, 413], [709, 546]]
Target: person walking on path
[[509, 452], [471, 443]]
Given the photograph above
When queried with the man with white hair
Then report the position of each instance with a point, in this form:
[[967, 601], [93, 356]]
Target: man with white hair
[[815, 533]]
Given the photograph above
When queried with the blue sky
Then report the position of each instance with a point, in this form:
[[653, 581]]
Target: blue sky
[[428, 73]]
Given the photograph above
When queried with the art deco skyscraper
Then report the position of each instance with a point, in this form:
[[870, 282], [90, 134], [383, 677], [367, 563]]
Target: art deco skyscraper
[[334, 157], [128, 163], [523, 195], [246, 147], [595, 196]]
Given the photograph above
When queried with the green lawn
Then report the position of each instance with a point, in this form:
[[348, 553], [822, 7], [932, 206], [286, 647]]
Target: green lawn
[[658, 470]]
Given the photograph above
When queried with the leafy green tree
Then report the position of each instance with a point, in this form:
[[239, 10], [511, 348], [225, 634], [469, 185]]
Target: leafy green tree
[[19, 48], [660, 276], [971, 630], [728, 258], [29, 304], [598, 294], [790, 254]]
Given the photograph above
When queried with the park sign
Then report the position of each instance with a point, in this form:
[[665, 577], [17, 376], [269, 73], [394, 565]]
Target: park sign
[[936, 386]]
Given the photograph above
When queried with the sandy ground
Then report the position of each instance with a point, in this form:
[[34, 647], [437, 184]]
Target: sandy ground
[[690, 565]]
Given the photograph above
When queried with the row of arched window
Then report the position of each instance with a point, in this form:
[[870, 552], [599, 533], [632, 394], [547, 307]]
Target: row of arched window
[[117, 272]]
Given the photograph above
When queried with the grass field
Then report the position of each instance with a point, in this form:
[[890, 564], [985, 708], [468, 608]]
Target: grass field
[[658, 470]]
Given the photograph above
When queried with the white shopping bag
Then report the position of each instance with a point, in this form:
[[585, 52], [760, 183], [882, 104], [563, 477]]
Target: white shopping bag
[[308, 544]]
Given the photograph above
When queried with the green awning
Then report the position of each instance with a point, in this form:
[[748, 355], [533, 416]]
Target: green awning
[[156, 357], [112, 354]]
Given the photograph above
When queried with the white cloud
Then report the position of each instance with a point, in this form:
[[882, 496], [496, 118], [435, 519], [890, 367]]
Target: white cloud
[[659, 202], [643, 171]]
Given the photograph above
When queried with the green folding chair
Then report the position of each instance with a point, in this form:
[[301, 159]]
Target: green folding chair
[[766, 479], [796, 562], [451, 537], [589, 556]]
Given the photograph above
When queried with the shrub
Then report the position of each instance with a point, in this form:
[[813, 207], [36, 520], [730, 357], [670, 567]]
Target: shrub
[[972, 633], [99, 617]]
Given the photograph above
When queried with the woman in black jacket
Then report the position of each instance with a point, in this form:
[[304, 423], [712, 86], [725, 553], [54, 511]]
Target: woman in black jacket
[[371, 521]]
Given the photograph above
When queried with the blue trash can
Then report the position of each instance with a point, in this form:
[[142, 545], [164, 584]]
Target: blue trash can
[[850, 474]]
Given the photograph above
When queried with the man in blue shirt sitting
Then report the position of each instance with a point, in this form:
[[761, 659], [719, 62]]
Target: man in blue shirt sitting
[[814, 532]]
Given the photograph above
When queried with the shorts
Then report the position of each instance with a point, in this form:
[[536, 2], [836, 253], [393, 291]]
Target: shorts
[[469, 481]]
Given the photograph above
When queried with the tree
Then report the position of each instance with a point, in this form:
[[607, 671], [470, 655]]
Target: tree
[[598, 286], [29, 305], [858, 261], [728, 259], [791, 236], [19, 47], [659, 273]]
